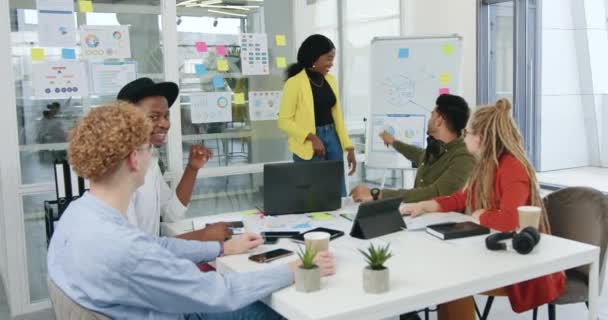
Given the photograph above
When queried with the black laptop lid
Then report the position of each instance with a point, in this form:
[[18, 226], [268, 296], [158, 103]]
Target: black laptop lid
[[306, 186]]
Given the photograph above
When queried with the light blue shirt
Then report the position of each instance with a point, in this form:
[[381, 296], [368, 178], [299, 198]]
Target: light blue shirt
[[107, 265]]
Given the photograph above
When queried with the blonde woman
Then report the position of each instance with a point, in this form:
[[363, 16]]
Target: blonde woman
[[502, 180]]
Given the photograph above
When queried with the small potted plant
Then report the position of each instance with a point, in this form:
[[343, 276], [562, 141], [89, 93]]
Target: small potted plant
[[308, 274], [375, 274]]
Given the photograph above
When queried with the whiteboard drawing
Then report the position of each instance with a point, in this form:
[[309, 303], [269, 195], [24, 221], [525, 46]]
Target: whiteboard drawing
[[407, 128]]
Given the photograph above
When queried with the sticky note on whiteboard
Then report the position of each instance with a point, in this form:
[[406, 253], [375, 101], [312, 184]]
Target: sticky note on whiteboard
[[448, 49], [445, 78], [404, 53], [444, 91]]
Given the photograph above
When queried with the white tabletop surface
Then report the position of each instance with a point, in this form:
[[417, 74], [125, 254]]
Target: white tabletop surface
[[424, 270]]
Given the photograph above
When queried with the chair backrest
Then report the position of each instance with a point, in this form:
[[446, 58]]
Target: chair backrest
[[581, 214], [66, 309]]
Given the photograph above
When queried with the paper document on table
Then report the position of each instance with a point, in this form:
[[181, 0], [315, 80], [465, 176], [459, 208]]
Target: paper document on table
[[427, 219]]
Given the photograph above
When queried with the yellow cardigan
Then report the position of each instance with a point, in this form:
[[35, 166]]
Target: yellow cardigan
[[297, 114]]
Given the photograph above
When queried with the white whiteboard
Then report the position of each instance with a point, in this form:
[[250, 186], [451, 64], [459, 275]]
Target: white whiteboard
[[407, 76]]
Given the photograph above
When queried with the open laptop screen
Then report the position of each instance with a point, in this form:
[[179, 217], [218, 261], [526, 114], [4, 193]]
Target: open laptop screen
[[300, 187]]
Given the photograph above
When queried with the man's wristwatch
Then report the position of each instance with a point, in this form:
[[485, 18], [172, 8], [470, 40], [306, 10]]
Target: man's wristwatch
[[375, 192]]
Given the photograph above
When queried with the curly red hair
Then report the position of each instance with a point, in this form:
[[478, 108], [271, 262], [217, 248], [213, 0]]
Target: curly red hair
[[106, 136]]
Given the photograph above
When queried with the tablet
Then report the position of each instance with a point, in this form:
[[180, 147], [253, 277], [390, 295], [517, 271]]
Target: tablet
[[333, 234]]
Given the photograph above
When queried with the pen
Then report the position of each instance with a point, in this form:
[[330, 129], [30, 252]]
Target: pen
[[345, 216], [192, 224]]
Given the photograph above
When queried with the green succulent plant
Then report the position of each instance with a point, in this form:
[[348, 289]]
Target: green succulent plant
[[307, 256], [377, 256]]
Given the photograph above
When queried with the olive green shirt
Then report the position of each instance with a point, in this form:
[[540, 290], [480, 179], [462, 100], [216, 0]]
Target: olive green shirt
[[436, 177]]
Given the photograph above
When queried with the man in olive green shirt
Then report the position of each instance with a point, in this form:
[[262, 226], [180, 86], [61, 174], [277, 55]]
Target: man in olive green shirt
[[445, 164]]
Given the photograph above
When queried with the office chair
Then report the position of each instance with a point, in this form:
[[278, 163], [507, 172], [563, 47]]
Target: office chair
[[66, 309], [580, 214]]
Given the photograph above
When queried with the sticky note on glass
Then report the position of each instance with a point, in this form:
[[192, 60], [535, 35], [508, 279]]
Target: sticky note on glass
[[249, 212], [239, 98], [445, 78], [222, 65], [281, 62], [404, 53], [218, 82], [201, 47], [68, 54], [37, 54], [444, 91], [279, 39], [85, 5], [321, 216], [200, 69], [220, 50], [448, 49]]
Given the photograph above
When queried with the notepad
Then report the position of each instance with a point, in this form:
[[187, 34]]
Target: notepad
[[454, 230]]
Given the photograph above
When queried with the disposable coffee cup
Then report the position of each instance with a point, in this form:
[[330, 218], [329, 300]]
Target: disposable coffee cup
[[319, 241], [529, 216]]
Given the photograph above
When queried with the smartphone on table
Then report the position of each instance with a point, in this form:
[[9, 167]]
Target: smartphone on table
[[272, 237], [269, 256], [237, 227]]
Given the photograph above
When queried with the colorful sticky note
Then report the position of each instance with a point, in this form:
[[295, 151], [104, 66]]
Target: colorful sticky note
[[444, 91], [221, 50], [239, 98], [321, 216], [218, 82], [445, 78], [201, 47], [85, 5], [281, 62], [37, 54], [200, 69], [249, 212], [68, 54], [222, 65], [404, 53], [448, 49], [279, 39]]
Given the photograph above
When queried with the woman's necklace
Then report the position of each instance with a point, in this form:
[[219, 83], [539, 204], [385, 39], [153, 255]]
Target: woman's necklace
[[317, 85]]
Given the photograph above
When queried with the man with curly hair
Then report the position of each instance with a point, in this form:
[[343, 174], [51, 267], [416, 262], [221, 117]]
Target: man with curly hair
[[105, 264], [155, 199]]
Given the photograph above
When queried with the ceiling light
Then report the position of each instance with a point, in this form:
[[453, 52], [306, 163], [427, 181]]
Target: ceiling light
[[227, 13]]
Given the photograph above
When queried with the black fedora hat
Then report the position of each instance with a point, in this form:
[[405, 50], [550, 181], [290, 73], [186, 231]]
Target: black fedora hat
[[141, 88]]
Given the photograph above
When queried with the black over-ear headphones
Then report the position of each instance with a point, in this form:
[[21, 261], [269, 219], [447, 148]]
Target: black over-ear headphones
[[523, 242]]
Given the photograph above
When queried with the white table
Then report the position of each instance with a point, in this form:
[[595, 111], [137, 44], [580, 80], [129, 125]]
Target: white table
[[425, 271]]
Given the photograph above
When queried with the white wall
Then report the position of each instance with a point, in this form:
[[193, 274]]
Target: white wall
[[573, 82], [433, 17]]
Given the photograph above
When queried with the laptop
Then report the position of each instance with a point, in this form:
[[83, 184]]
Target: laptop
[[377, 218], [302, 187]]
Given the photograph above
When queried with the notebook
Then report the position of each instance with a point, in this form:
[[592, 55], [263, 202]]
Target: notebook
[[454, 230]]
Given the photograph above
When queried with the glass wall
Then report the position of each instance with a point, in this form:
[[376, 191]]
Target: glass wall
[[241, 144]]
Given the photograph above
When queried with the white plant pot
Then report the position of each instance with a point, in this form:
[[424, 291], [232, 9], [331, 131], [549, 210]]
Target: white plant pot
[[308, 280], [375, 281]]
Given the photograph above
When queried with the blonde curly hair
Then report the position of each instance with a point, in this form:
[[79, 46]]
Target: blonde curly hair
[[106, 136]]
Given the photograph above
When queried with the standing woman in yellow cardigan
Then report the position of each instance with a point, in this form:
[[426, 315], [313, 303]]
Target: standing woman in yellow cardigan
[[310, 107]]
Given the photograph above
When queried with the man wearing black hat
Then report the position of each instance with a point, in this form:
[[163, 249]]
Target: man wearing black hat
[[155, 199]]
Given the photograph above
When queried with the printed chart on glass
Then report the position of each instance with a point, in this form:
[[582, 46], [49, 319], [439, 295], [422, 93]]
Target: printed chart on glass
[[254, 53], [109, 77], [264, 105], [105, 42], [60, 79], [211, 107], [407, 76], [56, 23]]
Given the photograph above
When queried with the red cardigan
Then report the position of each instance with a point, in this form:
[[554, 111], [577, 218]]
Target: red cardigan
[[512, 189]]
